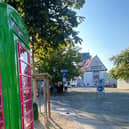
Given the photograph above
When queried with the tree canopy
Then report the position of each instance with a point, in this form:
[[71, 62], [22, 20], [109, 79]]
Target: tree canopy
[[61, 58], [53, 20], [121, 65], [51, 25]]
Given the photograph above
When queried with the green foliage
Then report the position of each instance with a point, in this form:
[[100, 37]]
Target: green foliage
[[53, 20], [121, 65], [61, 58], [51, 25]]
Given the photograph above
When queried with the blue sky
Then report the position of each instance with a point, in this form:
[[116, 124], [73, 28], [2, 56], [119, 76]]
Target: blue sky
[[105, 31]]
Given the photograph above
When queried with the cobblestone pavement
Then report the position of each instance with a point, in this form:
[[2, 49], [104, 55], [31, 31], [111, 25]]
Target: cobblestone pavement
[[38, 125], [82, 108]]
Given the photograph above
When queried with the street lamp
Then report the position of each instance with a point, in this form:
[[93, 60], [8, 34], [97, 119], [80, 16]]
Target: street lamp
[[54, 86], [54, 69]]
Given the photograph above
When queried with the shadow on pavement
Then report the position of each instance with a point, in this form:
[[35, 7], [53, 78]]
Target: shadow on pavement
[[110, 103], [112, 109], [50, 125], [53, 125], [38, 125]]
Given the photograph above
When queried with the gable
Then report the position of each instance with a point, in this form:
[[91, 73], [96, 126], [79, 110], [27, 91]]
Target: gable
[[96, 65]]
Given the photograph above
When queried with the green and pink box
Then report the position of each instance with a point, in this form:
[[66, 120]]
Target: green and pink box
[[16, 110]]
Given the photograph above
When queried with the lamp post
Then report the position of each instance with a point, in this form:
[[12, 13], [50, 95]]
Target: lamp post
[[32, 54], [54, 86], [54, 71]]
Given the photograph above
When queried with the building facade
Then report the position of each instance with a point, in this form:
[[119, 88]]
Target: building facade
[[123, 84], [94, 70]]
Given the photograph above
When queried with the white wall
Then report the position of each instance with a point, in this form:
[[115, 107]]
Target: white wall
[[88, 78], [102, 75], [122, 84]]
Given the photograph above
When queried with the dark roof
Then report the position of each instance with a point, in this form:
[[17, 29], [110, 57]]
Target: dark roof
[[85, 56]]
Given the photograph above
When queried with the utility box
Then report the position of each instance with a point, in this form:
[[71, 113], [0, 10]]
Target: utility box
[[16, 110]]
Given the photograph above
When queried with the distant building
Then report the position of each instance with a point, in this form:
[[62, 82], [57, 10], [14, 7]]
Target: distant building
[[94, 70], [123, 84], [85, 56]]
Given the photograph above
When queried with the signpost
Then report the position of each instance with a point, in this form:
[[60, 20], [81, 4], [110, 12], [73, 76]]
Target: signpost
[[100, 87], [64, 70], [64, 74]]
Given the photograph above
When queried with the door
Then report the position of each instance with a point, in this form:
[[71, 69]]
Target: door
[[25, 87]]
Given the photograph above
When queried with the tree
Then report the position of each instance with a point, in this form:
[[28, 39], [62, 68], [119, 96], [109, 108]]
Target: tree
[[121, 65], [53, 20], [50, 22], [61, 58]]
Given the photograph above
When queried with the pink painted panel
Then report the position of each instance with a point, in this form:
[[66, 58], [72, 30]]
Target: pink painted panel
[[25, 87], [2, 123]]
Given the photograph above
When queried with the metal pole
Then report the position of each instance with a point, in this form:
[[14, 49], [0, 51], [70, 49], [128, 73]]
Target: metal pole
[[45, 103], [48, 96], [54, 88], [40, 97], [34, 91]]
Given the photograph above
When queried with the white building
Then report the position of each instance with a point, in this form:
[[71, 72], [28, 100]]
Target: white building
[[123, 84], [94, 70]]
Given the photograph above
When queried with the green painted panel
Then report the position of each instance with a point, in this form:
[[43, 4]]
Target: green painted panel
[[9, 63], [0, 16]]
